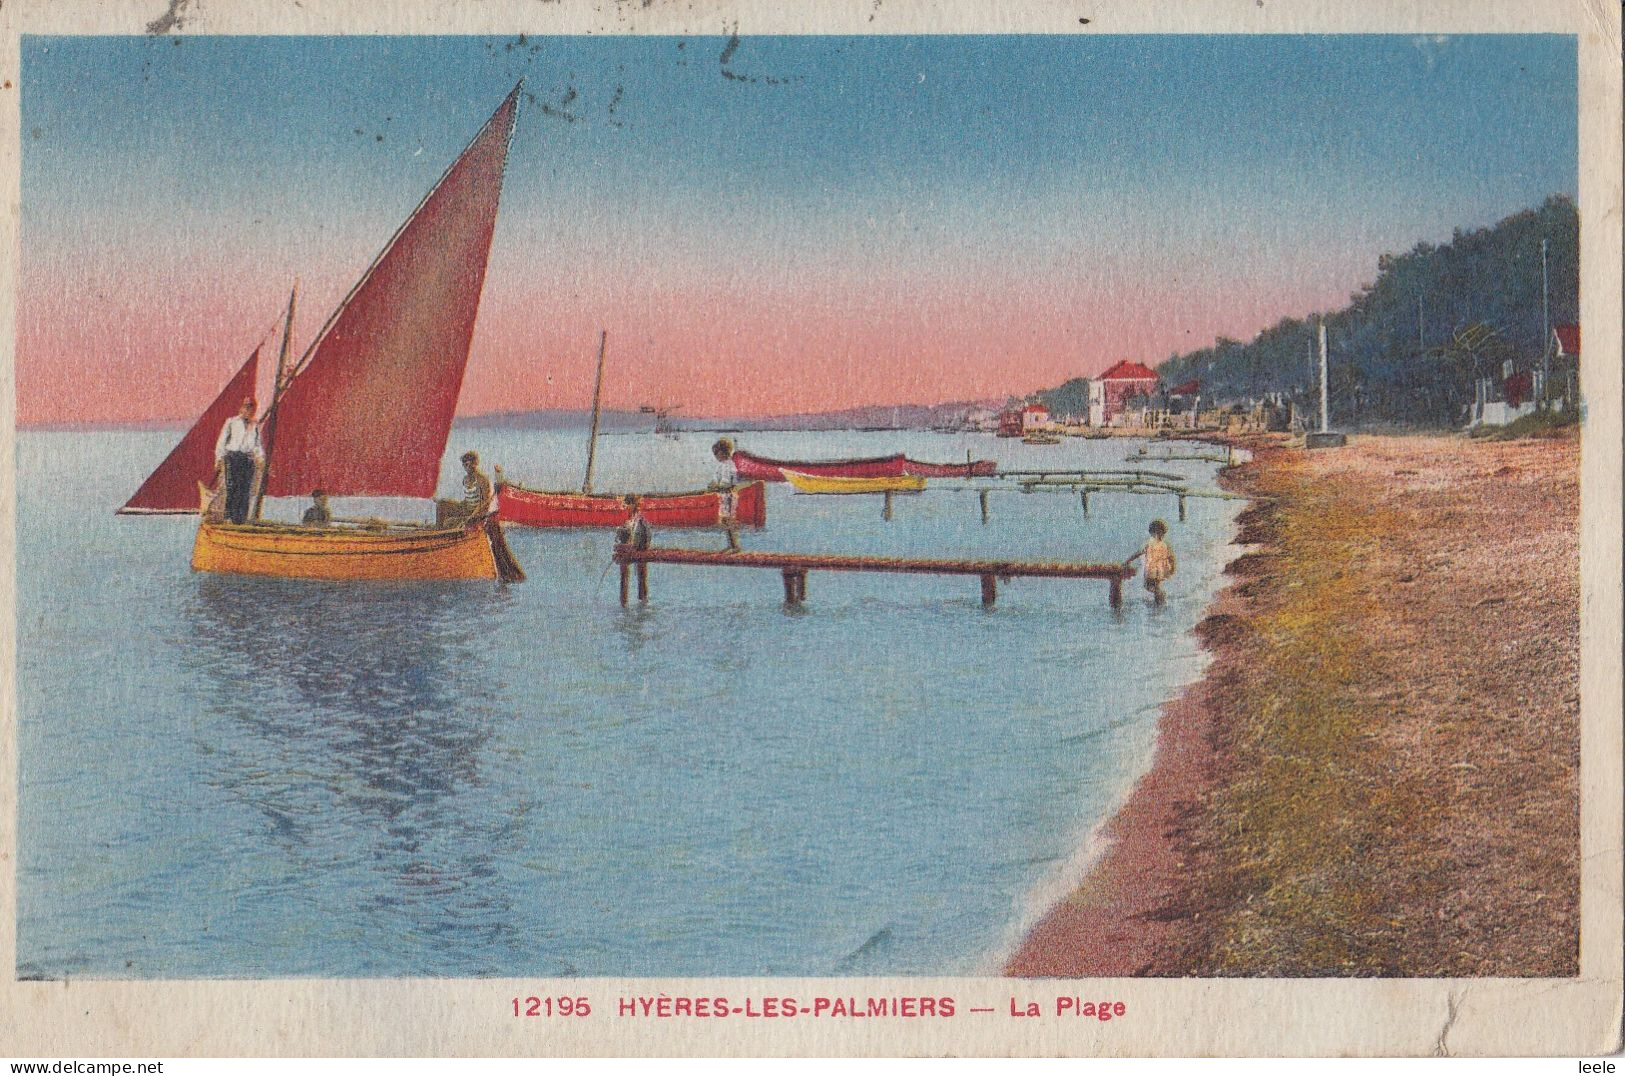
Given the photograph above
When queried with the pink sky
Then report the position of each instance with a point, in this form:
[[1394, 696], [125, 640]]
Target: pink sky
[[108, 344], [872, 228]]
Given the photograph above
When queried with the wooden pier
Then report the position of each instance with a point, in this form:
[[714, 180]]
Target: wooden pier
[[795, 566]]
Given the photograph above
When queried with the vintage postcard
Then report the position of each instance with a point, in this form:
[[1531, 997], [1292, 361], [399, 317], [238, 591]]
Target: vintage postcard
[[646, 528]]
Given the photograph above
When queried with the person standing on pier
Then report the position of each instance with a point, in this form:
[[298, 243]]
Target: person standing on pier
[[635, 532], [1159, 560], [726, 474], [725, 480]]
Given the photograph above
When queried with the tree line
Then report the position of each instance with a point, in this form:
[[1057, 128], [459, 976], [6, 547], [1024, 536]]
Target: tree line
[[1395, 353]]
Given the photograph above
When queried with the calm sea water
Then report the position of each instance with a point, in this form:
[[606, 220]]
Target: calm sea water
[[237, 777]]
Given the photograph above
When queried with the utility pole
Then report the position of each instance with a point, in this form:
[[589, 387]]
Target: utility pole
[[1324, 423], [1545, 330]]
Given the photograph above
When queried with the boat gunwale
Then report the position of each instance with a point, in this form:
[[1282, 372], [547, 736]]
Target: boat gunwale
[[397, 533], [620, 497], [795, 465], [915, 484]]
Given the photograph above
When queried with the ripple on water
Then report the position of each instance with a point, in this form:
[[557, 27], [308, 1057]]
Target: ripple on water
[[240, 777]]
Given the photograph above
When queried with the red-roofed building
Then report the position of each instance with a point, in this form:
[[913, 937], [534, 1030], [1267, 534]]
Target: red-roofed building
[[1519, 392], [1019, 422], [1123, 387]]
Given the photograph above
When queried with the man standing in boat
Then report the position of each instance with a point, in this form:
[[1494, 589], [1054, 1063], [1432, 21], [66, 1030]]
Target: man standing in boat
[[237, 455]]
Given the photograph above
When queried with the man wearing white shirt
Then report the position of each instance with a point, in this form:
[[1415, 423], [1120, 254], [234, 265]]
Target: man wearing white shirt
[[237, 452], [725, 479]]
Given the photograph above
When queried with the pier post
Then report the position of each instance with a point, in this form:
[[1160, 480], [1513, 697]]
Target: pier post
[[1083, 499], [1182, 508], [886, 512], [643, 581], [1116, 596], [990, 590], [626, 579], [982, 496], [789, 586], [801, 586]]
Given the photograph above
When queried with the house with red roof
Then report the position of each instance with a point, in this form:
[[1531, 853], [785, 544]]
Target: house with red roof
[[1126, 386], [1521, 389], [1020, 421]]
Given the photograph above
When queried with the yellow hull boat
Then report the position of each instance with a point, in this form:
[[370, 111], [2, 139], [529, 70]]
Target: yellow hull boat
[[367, 410], [812, 483], [341, 553]]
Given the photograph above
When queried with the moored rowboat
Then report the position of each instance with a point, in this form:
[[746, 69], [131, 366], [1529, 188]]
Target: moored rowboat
[[968, 469], [698, 508], [748, 466], [811, 483]]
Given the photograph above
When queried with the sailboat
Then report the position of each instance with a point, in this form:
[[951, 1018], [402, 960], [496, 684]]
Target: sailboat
[[367, 409]]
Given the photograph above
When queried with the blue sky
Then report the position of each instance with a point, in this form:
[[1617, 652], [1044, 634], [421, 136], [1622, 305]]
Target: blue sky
[[1242, 177]]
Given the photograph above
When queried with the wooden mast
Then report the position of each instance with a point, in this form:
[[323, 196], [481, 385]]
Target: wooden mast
[[597, 392], [276, 395]]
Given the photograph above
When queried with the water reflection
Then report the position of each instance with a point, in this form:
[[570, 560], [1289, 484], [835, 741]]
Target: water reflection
[[369, 717], [635, 625]]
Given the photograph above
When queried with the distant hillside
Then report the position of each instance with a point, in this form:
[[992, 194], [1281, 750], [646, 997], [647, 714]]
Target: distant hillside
[[1385, 359], [1072, 398], [888, 417], [617, 421], [898, 417]]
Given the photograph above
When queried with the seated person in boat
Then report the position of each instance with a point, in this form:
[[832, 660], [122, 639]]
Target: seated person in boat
[[319, 514], [237, 456], [476, 500], [635, 532]]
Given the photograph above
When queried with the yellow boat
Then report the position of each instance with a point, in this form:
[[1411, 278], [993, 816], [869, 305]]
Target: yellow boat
[[812, 483], [345, 553], [367, 410]]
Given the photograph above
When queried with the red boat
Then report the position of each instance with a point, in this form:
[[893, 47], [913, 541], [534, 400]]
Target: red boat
[[968, 469], [760, 467], [700, 508]]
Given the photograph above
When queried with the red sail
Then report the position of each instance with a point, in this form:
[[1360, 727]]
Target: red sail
[[369, 412], [173, 486]]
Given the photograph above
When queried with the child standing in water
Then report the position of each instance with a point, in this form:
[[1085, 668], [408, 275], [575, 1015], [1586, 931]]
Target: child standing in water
[[1159, 560]]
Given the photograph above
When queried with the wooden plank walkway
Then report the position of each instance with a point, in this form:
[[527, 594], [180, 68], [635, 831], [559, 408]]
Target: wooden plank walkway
[[795, 566]]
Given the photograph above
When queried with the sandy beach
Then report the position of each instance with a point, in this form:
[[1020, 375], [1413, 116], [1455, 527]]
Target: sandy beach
[[1378, 774]]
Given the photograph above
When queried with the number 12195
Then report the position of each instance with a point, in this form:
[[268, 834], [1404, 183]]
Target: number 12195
[[551, 1006]]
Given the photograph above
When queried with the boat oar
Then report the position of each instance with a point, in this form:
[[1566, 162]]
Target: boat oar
[[507, 565]]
